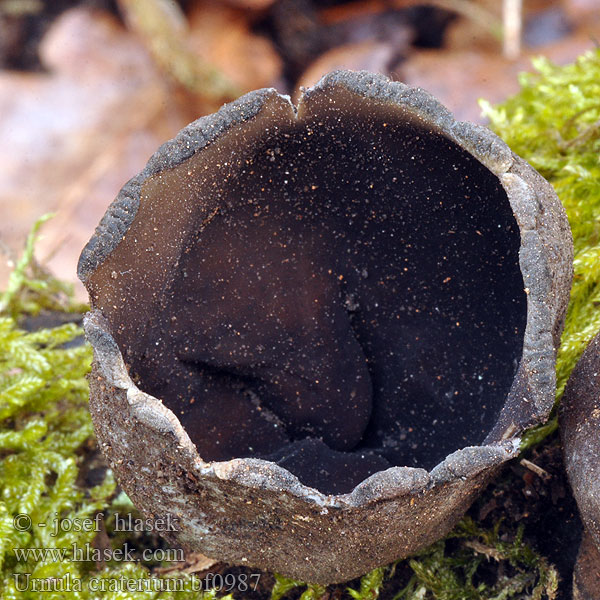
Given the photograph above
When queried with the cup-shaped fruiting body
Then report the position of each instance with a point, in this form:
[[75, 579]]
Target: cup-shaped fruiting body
[[580, 433], [319, 330]]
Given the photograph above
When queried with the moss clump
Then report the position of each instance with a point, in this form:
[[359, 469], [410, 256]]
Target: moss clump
[[283, 586], [43, 420], [45, 506], [32, 289], [462, 572], [554, 124]]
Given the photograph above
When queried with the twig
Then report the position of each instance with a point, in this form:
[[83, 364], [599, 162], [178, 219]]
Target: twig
[[535, 469], [582, 137], [512, 19], [160, 24]]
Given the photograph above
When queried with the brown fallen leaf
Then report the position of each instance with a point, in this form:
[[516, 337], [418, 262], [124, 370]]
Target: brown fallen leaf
[[582, 12], [221, 35], [72, 137]]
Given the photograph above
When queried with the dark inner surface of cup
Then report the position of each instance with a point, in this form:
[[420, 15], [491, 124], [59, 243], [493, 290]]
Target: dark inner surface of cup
[[353, 302]]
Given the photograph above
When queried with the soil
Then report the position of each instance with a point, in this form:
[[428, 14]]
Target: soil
[[547, 509]]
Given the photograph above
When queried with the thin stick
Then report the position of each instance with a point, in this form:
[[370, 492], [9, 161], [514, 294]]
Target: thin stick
[[537, 470], [512, 18], [159, 24]]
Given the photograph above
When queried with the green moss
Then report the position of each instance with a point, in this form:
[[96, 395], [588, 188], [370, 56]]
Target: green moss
[[44, 427], [370, 585], [460, 571], [554, 124], [31, 288], [283, 586]]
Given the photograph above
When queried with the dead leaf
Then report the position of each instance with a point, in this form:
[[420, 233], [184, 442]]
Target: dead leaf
[[74, 136], [221, 35]]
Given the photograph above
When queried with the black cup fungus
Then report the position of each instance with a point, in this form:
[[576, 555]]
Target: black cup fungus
[[354, 300], [580, 433]]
